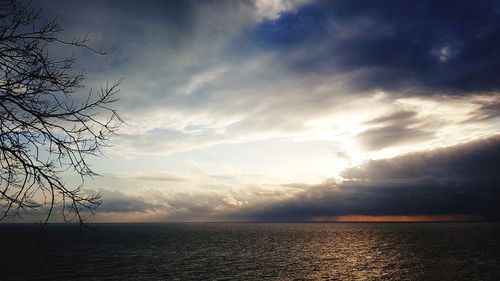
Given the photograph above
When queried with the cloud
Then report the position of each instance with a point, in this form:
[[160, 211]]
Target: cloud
[[423, 48], [120, 202], [208, 203], [280, 84], [378, 138], [397, 117], [164, 177], [200, 74], [397, 127], [489, 108], [272, 9], [458, 180], [187, 206], [200, 80]]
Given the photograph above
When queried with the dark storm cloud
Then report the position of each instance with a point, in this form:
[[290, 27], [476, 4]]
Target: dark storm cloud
[[459, 180], [409, 46], [475, 161]]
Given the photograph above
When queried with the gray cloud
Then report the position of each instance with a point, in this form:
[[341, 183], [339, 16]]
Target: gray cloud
[[202, 206], [119, 202], [396, 117], [398, 127], [378, 138], [489, 109], [459, 180]]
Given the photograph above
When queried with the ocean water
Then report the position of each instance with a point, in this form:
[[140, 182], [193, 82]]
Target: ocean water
[[232, 251]]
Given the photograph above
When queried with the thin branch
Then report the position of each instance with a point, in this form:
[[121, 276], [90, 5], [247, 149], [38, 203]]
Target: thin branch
[[46, 126]]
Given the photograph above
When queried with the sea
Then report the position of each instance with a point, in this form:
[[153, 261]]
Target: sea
[[251, 251]]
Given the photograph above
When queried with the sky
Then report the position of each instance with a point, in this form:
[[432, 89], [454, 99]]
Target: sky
[[270, 110]]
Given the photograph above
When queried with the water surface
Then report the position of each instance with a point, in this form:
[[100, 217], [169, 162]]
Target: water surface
[[231, 251]]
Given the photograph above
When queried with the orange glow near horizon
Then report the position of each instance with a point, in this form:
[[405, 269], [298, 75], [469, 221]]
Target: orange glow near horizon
[[360, 218]]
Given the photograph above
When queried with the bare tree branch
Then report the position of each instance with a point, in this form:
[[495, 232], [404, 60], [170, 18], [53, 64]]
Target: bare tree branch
[[46, 127]]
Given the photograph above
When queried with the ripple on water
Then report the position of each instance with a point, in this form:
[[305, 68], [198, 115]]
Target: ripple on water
[[338, 251]]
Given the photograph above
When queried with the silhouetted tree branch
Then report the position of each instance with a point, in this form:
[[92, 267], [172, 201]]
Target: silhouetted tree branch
[[47, 128]]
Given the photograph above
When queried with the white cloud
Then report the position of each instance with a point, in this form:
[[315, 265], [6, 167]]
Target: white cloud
[[230, 200], [443, 53], [271, 9], [199, 80]]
